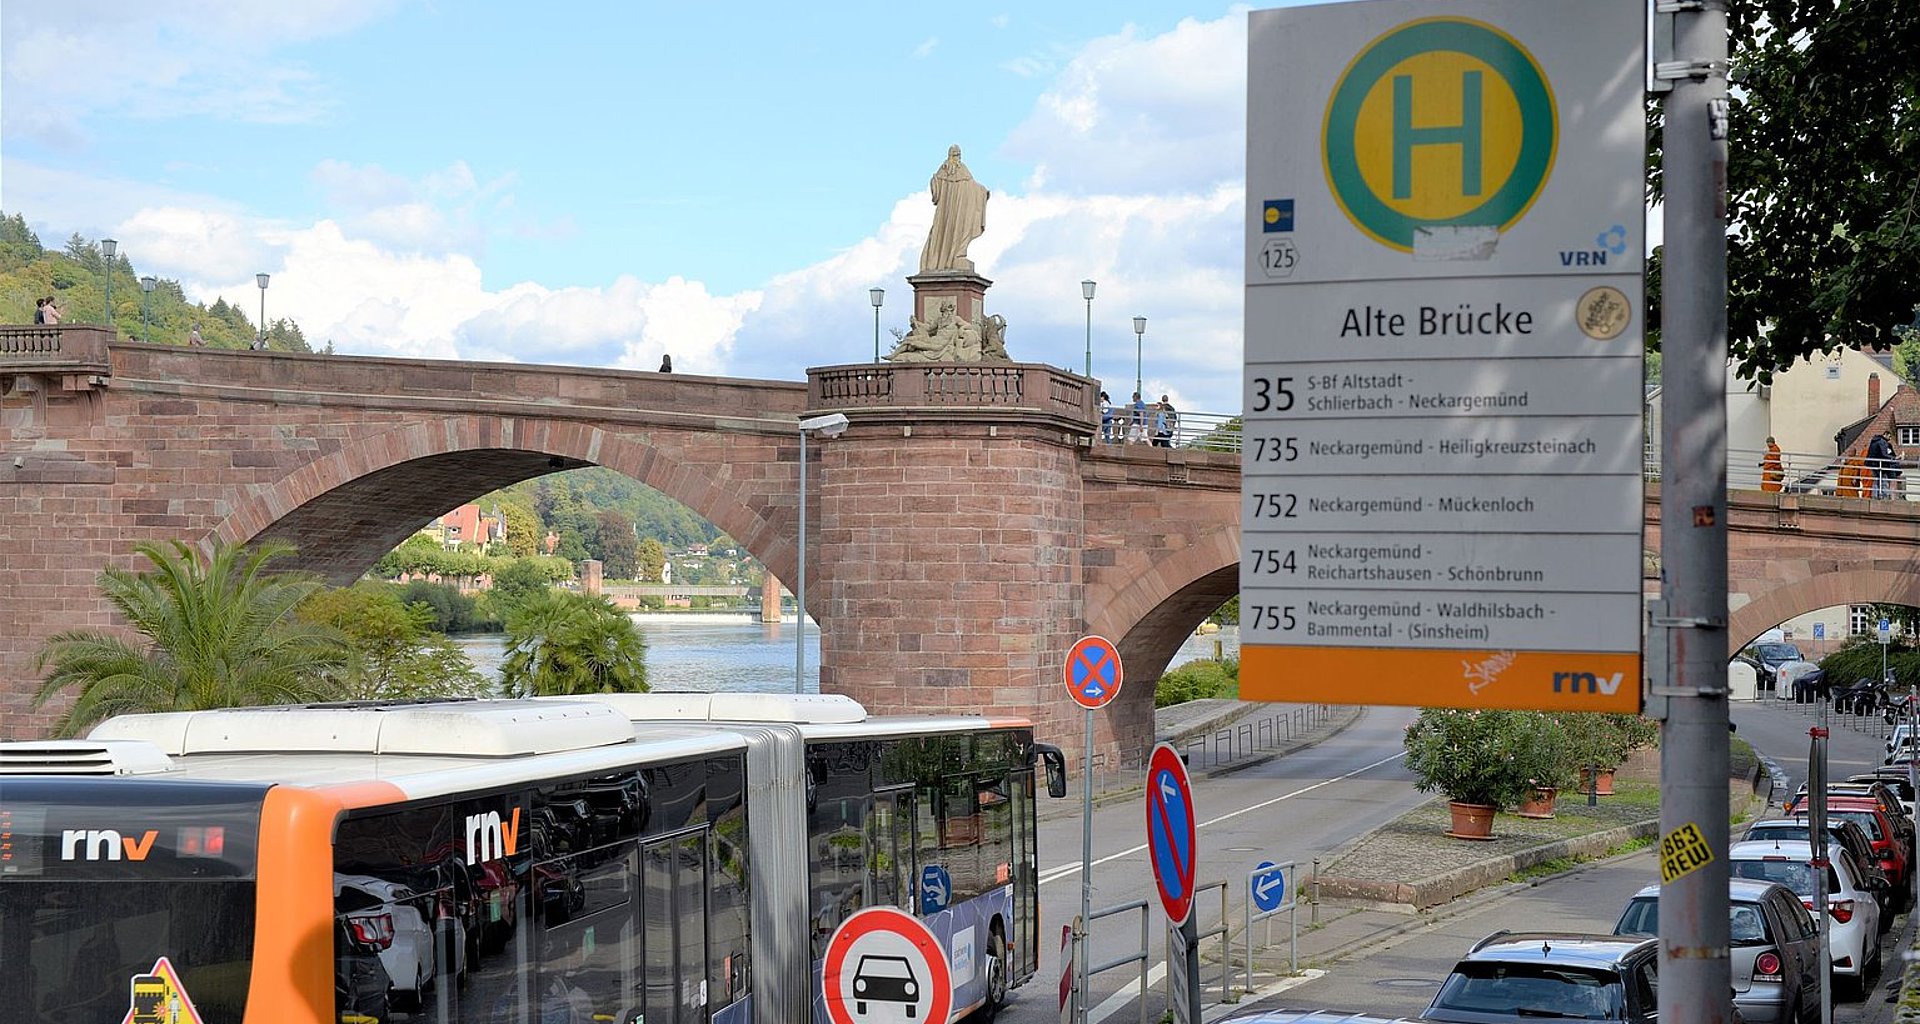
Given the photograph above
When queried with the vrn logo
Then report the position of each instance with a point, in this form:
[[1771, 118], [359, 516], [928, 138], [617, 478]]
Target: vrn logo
[[104, 844], [1575, 682], [488, 839], [1613, 240]]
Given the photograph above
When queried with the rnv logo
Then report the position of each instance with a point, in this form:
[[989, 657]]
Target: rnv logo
[[1574, 681], [104, 844], [488, 839]]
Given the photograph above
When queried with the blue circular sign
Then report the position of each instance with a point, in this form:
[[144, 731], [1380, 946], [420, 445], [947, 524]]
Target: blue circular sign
[[1268, 886], [1093, 672]]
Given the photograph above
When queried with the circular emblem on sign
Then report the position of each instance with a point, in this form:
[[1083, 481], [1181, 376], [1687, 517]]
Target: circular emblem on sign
[[883, 964], [1442, 122], [1602, 313]]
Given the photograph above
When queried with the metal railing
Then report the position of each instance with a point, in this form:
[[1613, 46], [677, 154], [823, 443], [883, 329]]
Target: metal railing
[[1249, 737], [1211, 431], [1139, 957], [1287, 907], [1226, 948], [1802, 473]]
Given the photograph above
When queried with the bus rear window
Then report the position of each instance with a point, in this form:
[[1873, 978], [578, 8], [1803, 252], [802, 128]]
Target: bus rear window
[[122, 895]]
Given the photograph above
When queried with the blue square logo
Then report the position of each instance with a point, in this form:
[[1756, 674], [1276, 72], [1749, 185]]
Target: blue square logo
[[1276, 215]]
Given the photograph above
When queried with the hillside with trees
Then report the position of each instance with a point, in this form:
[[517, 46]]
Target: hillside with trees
[[76, 277]]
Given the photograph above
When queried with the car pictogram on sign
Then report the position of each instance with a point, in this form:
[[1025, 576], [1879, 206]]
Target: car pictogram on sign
[[885, 979], [883, 965]]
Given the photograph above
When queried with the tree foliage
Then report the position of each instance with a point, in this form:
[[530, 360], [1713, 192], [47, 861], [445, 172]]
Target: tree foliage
[[398, 653], [618, 546], [220, 631], [561, 643], [1823, 178]]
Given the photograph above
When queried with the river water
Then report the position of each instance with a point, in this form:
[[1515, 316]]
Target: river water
[[719, 651]]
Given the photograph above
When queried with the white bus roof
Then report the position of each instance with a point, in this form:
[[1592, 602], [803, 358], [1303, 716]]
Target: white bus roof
[[819, 716], [421, 750]]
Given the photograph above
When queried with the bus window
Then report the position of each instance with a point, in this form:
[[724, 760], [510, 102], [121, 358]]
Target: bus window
[[729, 905], [674, 888], [890, 849]]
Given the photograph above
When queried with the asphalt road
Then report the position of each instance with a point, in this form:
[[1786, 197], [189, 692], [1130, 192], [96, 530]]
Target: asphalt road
[[1293, 808]]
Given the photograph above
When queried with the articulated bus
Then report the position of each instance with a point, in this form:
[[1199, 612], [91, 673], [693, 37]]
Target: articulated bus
[[629, 860]]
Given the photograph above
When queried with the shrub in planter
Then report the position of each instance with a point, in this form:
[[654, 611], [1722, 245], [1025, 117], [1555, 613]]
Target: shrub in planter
[[1605, 740], [1473, 757]]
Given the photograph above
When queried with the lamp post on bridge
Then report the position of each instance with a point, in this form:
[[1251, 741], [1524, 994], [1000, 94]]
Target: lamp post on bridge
[[876, 296], [108, 247], [260, 341], [1139, 343], [830, 425], [1086, 292], [146, 303]]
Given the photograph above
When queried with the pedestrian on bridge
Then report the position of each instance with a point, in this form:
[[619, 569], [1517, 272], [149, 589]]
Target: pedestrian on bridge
[[1770, 471], [1881, 455]]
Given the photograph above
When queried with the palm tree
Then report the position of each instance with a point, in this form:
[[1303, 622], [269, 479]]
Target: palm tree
[[560, 643], [220, 633]]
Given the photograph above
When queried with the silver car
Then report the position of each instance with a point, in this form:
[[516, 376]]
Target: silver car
[[1775, 949]]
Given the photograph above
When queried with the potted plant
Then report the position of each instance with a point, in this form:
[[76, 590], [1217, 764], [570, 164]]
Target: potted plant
[[1547, 754], [1476, 759], [1600, 745]]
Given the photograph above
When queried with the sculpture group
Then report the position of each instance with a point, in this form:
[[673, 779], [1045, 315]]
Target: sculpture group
[[946, 275]]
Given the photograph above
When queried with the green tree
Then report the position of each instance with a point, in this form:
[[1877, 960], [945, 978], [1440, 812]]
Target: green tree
[[561, 643], [399, 654], [519, 582], [652, 558], [220, 632], [523, 529], [618, 546], [1823, 178]]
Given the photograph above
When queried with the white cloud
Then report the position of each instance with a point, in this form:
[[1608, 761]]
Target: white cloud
[[926, 48], [181, 59]]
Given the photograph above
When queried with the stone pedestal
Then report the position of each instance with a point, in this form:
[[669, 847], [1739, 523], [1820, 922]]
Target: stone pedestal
[[967, 292]]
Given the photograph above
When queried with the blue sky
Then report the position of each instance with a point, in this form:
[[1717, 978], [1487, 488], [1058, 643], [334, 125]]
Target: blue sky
[[610, 181]]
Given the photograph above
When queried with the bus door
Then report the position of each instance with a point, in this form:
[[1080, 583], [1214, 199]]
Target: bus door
[[1025, 950], [931, 869], [674, 903], [890, 867]]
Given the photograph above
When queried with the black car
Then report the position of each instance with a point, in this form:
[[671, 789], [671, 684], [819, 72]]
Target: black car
[[361, 985], [1511, 977], [1771, 656]]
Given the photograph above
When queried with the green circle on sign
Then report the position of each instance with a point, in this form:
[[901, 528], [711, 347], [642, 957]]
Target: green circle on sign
[[1517, 70]]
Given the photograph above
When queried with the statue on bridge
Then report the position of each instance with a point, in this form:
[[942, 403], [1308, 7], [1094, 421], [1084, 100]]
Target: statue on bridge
[[959, 216], [949, 339]]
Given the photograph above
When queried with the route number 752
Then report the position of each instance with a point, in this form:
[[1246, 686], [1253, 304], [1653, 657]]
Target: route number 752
[[1272, 394]]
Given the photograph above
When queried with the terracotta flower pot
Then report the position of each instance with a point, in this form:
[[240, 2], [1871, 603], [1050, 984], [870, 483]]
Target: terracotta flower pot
[[1605, 786], [1471, 821], [1538, 803]]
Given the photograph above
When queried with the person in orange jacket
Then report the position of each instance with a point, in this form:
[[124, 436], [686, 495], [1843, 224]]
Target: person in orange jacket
[[1770, 470]]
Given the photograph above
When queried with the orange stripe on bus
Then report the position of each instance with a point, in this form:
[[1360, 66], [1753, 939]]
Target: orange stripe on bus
[[1009, 723], [1528, 680], [292, 979]]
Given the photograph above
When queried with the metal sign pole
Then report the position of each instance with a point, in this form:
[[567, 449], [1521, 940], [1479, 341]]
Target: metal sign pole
[[1695, 971], [1186, 1008], [1817, 832], [1080, 994]]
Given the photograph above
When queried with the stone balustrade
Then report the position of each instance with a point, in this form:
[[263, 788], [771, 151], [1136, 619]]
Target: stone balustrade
[[975, 392], [62, 348]]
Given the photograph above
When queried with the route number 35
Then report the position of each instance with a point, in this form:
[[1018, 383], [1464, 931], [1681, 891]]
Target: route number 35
[[1272, 394]]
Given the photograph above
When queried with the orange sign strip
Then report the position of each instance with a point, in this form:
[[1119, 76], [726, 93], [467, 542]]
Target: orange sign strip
[[1519, 680]]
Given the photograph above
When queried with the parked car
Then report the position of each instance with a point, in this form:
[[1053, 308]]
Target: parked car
[[391, 916], [361, 986], [1846, 833], [1894, 779], [1855, 909], [1771, 656], [1525, 976], [1775, 948], [1891, 846]]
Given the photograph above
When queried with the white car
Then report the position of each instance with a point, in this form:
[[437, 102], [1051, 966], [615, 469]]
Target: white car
[[390, 916], [1853, 909]]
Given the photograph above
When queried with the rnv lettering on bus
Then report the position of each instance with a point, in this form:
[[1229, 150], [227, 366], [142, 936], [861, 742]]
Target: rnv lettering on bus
[[104, 844], [488, 839]]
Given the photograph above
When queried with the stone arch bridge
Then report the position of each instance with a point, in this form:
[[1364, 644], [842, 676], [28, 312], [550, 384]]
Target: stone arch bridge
[[963, 531]]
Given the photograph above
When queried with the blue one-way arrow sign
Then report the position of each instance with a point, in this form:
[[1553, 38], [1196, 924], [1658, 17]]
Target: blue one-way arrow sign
[[1269, 885]]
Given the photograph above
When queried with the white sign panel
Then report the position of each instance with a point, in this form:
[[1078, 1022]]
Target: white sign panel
[[1443, 495]]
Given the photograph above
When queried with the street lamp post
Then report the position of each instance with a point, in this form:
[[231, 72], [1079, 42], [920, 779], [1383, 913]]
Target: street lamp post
[[146, 302], [1139, 342], [260, 342], [878, 296], [829, 425], [1086, 292], [108, 247]]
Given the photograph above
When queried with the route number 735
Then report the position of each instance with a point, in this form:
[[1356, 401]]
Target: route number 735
[[1272, 394]]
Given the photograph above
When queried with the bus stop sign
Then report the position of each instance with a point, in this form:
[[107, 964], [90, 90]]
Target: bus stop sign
[[1093, 672], [884, 957], [1170, 831]]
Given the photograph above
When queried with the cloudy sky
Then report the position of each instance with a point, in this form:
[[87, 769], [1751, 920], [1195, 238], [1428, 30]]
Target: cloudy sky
[[611, 181]]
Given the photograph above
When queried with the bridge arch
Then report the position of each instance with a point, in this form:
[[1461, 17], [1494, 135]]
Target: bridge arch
[[1887, 581], [345, 509], [1150, 615]]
